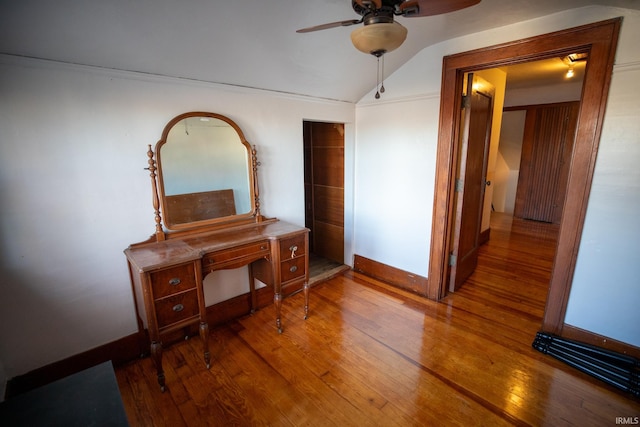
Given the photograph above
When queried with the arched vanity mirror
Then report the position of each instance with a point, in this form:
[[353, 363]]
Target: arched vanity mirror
[[206, 173]]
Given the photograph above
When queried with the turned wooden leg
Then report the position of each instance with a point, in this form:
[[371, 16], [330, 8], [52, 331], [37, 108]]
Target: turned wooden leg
[[305, 290], [156, 356], [277, 301], [204, 336]]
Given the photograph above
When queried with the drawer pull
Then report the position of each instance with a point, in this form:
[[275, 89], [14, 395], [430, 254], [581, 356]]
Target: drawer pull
[[293, 250], [293, 269], [178, 307], [175, 281], [263, 248]]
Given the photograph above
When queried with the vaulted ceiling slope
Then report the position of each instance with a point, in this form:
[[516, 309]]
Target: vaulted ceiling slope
[[249, 43]]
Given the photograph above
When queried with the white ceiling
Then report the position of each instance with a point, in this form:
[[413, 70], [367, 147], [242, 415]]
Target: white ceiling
[[249, 43], [542, 73]]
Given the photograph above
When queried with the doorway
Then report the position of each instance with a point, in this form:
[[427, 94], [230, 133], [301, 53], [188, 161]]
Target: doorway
[[531, 143], [600, 40], [324, 197]]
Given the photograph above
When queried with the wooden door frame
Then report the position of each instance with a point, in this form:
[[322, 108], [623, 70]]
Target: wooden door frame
[[600, 41]]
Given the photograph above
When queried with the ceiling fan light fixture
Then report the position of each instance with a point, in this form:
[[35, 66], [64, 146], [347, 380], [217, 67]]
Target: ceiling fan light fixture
[[379, 38]]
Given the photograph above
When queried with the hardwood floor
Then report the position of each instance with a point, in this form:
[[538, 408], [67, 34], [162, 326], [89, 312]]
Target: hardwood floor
[[371, 354]]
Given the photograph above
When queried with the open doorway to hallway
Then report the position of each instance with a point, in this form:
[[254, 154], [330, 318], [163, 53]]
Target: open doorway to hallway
[[324, 197], [526, 179]]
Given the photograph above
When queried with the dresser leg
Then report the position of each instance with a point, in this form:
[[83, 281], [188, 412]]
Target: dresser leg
[[305, 290], [156, 356], [204, 336], [277, 301]]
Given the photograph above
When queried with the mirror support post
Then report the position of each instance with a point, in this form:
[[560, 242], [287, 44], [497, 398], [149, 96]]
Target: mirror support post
[[156, 202], [255, 163]]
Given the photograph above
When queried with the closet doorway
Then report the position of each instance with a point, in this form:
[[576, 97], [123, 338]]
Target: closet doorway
[[324, 197]]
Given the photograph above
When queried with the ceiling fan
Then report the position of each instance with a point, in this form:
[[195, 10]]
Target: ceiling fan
[[376, 12], [380, 33]]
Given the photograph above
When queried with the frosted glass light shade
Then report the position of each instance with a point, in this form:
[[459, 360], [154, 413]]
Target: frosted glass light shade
[[378, 39]]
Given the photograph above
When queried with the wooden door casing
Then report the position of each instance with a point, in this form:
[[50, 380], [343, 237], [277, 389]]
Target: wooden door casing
[[600, 40], [544, 166]]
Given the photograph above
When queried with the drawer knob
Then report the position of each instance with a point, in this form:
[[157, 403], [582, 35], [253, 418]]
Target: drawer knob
[[175, 281], [293, 250], [293, 269], [178, 307]]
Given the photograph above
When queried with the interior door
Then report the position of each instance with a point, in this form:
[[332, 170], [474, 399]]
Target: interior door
[[473, 156]]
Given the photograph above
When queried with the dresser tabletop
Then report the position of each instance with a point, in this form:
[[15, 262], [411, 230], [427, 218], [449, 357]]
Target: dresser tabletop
[[155, 255]]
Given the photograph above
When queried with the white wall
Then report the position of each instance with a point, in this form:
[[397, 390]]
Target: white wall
[[570, 91], [74, 195], [606, 288], [394, 181], [508, 165]]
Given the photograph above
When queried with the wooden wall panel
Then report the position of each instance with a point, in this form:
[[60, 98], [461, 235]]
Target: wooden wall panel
[[328, 166], [329, 205], [329, 241], [546, 151]]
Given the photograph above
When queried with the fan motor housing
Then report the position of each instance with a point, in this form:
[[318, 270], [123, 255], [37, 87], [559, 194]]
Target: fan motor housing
[[371, 15]]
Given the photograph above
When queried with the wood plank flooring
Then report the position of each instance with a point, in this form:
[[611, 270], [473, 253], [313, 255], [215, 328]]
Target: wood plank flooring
[[373, 355]]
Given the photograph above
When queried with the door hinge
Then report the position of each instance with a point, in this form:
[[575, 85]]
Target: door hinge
[[459, 185], [466, 102], [452, 260]]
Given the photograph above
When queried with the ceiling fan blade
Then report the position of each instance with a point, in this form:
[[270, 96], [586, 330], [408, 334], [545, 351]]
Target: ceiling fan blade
[[416, 8], [330, 25]]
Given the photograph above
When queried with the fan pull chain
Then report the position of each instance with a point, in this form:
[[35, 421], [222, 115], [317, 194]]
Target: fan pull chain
[[379, 79], [382, 74]]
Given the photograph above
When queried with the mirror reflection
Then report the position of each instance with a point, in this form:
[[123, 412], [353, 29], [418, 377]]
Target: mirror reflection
[[204, 169]]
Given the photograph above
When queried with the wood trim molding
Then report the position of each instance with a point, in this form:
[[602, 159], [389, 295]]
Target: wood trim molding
[[400, 278], [577, 334], [119, 351], [600, 40], [484, 236]]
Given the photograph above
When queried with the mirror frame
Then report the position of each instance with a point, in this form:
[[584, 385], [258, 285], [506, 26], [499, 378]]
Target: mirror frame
[[160, 198]]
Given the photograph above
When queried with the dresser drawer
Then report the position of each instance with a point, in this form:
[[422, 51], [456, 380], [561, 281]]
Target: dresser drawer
[[175, 308], [292, 247], [173, 280], [235, 256], [292, 269]]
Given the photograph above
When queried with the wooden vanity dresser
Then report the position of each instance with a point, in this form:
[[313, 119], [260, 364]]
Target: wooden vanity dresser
[[167, 271]]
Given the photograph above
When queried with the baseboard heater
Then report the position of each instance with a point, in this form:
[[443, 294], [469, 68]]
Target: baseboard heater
[[618, 370]]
